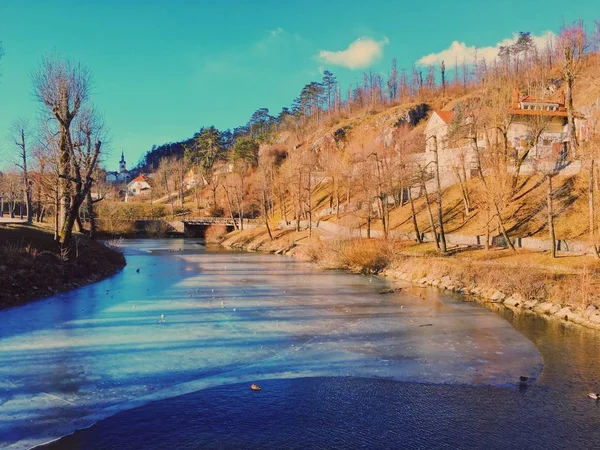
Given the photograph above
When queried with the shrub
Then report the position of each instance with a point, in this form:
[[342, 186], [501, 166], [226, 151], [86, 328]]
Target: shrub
[[367, 255]]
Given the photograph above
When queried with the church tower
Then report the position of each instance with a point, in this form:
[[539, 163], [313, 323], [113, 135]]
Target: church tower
[[122, 164]]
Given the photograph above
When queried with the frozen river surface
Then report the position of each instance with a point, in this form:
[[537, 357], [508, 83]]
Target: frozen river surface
[[192, 319]]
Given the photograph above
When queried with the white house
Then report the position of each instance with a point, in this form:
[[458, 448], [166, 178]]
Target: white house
[[139, 186], [437, 130]]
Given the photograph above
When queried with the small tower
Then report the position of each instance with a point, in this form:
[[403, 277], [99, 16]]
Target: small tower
[[122, 164]]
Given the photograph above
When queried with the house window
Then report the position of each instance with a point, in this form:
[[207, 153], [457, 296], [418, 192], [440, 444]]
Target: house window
[[546, 142]]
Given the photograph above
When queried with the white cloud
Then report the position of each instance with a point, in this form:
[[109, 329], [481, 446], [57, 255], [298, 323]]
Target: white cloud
[[461, 51], [248, 56], [360, 53], [276, 31]]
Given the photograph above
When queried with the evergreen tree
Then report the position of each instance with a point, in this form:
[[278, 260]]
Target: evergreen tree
[[260, 124], [392, 83], [329, 86]]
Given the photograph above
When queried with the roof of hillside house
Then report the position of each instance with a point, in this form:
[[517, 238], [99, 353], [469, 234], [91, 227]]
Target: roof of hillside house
[[446, 116], [532, 106], [140, 177]]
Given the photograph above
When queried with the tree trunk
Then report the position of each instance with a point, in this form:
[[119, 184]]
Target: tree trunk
[[369, 221], [551, 218], [264, 203], [443, 248], [56, 212], [487, 229], [26, 184], [464, 191], [591, 209], [239, 209], [309, 204], [414, 216], [230, 207], [570, 117], [64, 183], [430, 214], [92, 215], [299, 204], [78, 225]]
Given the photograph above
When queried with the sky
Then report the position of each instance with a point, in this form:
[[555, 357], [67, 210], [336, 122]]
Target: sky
[[163, 69]]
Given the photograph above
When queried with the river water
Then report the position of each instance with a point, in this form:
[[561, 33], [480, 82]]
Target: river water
[[162, 355]]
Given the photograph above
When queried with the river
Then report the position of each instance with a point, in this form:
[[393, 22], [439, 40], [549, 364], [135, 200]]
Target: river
[[163, 354]]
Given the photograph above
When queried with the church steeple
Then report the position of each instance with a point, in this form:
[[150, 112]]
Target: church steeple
[[122, 164]]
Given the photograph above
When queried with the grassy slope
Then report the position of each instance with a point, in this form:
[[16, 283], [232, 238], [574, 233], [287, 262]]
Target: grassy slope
[[563, 278], [30, 266]]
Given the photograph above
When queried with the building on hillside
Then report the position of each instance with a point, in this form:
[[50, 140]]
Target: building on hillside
[[548, 116], [436, 130], [138, 186], [122, 176]]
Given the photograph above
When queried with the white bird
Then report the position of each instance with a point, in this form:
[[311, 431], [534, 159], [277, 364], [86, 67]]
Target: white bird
[[162, 318]]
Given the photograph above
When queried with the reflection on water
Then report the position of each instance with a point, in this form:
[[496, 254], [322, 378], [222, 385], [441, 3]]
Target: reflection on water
[[350, 413], [192, 319], [553, 413]]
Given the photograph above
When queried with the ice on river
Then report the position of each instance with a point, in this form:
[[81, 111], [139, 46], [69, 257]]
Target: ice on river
[[191, 318]]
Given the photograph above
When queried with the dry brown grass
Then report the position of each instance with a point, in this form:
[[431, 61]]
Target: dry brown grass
[[368, 256]]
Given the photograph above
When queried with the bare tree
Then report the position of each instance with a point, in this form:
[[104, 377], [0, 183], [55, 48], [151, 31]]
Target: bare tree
[[84, 158], [571, 46], [440, 212], [63, 87], [590, 155], [20, 133]]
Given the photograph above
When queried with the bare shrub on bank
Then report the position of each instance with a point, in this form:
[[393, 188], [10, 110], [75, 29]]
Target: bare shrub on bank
[[368, 256]]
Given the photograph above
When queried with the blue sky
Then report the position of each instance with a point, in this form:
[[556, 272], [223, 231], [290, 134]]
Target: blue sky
[[163, 69]]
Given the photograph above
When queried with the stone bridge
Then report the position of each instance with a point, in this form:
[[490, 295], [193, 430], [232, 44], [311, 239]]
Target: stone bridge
[[190, 226]]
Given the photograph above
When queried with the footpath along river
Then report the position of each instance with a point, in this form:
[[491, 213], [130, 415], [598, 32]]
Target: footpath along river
[[163, 357]]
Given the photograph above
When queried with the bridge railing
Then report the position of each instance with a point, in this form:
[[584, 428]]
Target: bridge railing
[[198, 220]]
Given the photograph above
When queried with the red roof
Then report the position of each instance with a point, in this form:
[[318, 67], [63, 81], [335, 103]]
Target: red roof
[[446, 116], [140, 177]]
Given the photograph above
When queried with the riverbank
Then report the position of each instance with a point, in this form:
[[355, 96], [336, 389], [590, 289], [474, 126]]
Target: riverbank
[[31, 265], [565, 288]]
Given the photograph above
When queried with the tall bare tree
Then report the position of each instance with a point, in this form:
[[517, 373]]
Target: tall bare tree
[[571, 46], [63, 88], [84, 159], [21, 137]]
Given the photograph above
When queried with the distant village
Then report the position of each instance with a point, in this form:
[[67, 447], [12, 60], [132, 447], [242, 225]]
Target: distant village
[[125, 184]]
